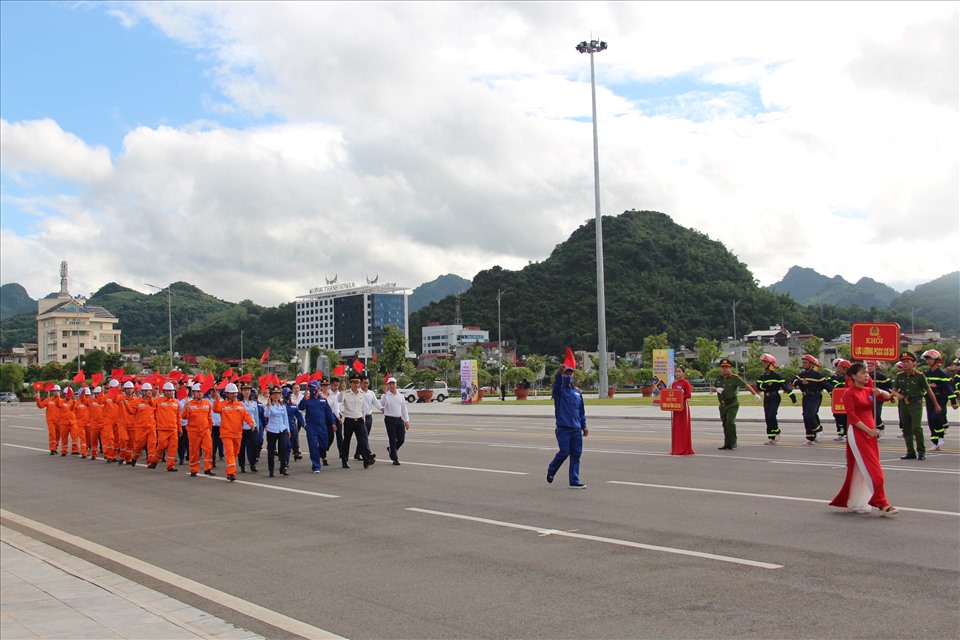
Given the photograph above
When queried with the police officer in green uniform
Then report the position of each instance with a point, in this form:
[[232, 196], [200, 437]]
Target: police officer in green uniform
[[726, 390], [909, 388]]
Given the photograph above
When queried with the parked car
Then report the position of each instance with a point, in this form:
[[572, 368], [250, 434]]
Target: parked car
[[440, 391], [8, 397]]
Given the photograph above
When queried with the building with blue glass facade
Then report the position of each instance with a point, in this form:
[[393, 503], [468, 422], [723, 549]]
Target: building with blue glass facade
[[349, 318]]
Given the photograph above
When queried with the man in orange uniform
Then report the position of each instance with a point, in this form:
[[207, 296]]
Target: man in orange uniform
[[52, 414], [68, 425], [232, 416], [199, 416], [144, 410], [95, 424], [82, 408], [109, 409], [125, 425], [168, 428]]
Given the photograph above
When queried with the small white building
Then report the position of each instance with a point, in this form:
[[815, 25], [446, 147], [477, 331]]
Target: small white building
[[445, 338]]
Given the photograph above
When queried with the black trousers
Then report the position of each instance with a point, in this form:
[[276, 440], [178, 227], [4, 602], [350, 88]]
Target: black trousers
[[273, 440], [249, 449], [396, 433], [771, 405], [368, 421], [811, 414], [339, 434], [356, 426]]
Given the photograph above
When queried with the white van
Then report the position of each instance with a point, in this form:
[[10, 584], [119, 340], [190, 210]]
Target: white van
[[440, 391]]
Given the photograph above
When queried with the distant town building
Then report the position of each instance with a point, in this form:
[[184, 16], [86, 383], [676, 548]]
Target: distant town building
[[23, 355], [444, 338], [350, 319], [68, 327]]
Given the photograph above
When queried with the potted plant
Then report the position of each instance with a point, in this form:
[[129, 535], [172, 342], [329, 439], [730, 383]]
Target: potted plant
[[647, 382], [424, 379], [520, 377]]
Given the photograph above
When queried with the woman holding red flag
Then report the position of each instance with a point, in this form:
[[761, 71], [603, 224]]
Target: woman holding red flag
[[682, 444]]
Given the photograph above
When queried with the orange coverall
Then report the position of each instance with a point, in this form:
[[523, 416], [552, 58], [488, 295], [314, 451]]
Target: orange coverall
[[199, 417], [68, 425], [125, 431], [82, 409], [108, 434], [52, 414], [168, 430], [144, 433], [232, 416]]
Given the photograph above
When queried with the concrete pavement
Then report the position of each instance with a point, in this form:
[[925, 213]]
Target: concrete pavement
[[48, 593]]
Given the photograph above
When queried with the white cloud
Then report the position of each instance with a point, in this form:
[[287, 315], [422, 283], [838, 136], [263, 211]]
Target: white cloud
[[454, 136]]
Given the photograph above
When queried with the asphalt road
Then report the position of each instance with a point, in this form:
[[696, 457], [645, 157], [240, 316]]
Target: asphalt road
[[467, 540]]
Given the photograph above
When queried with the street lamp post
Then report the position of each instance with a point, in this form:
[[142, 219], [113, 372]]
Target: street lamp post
[[500, 345], [736, 338], [169, 317], [595, 46]]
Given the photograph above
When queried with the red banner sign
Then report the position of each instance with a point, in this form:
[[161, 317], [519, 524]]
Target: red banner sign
[[875, 341], [836, 401], [671, 400]]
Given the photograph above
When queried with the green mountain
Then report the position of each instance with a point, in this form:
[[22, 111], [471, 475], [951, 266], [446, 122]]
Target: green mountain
[[14, 301], [808, 287], [935, 304], [438, 289], [659, 277]]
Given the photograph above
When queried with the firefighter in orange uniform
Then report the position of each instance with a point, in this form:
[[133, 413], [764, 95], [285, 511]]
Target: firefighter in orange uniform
[[68, 425], [125, 431], [143, 409], [52, 415], [108, 435], [95, 424], [82, 407], [232, 416], [199, 416], [168, 428]]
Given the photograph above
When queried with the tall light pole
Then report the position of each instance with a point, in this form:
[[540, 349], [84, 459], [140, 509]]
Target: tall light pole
[[913, 326], [500, 345], [169, 317], [595, 46], [736, 339]]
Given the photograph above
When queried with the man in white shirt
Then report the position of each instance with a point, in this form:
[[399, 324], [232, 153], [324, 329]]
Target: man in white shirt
[[352, 404], [370, 403], [395, 418]]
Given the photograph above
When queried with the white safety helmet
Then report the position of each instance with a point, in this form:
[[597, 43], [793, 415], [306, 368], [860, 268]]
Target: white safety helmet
[[146, 386], [114, 384], [97, 390], [128, 385], [169, 387], [56, 387], [231, 388], [932, 353], [84, 391], [196, 387]]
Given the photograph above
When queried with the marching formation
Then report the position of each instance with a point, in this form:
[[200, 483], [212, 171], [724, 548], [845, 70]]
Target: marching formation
[[198, 422]]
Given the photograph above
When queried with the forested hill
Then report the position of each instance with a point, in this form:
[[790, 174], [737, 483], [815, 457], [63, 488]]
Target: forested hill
[[659, 276]]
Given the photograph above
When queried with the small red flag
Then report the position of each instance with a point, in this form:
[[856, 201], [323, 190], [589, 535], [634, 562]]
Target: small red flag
[[69, 392], [316, 375], [339, 370], [263, 381], [227, 375], [182, 393], [303, 377], [175, 375], [96, 379], [49, 386], [247, 377], [266, 354], [358, 366], [117, 373], [374, 355], [38, 386], [569, 360], [113, 392], [80, 377]]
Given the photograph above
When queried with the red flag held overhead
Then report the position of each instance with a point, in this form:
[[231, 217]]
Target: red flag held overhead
[[569, 360], [358, 366], [96, 379], [247, 377], [80, 377], [339, 370], [49, 387], [117, 373], [38, 386], [266, 354], [316, 375]]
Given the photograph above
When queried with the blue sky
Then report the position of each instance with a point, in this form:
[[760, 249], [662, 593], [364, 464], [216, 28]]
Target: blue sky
[[784, 130]]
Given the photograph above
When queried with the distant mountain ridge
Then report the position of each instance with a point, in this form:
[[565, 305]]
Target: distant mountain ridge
[[438, 289], [14, 300], [806, 286]]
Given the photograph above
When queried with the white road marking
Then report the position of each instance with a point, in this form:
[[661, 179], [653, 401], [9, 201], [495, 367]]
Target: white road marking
[[543, 532], [270, 486], [239, 605], [764, 495], [20, 446], [447, 466], [16, 426]]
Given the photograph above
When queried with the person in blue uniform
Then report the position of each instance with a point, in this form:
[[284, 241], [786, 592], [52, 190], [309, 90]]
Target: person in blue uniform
[[811, 384], [571, 426], [771, 384], [318, 417]]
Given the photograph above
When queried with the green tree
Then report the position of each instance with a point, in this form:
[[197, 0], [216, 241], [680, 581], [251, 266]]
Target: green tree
[[94, 362], [314, 356], [812, 346], [444, 367], [214, 366], [113, 360], [394, 348], [52, 371], [843, 351], [515, 375], [11, 377], [536, 364], [651, 342], [253, 367], [708, 352], [753, 367]]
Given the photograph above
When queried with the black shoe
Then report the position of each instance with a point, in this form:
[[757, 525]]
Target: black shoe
[[172, 470], [909, 456], [396, 463], [75, 453], [63, 455], [921, 456], [209, 473], [368, 463], [373, 456], [243, 470], [724, 448], [297, 456], [132, 463], [283, 472], [345, 465], [549, 478], [253, 469], [151, 465], [357, 457], [232, 478], [271, 474], [193, 474], [54, 452], [324, 462]]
